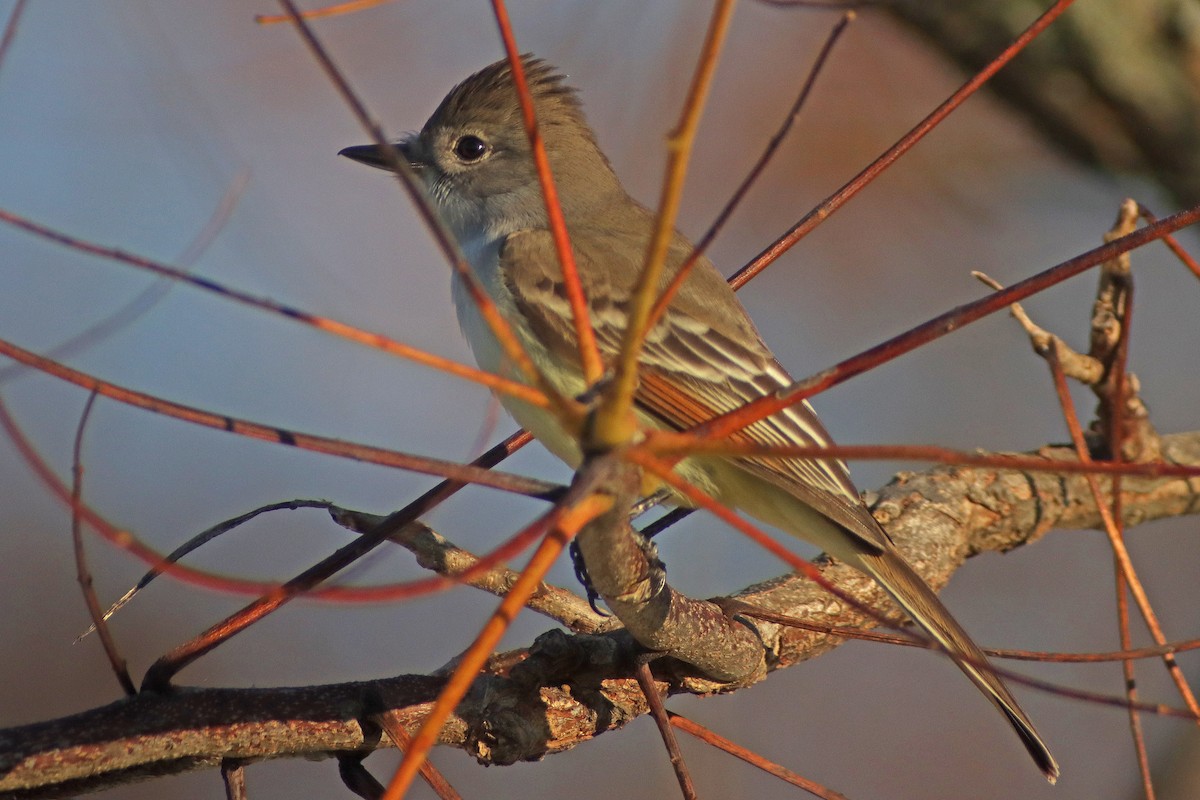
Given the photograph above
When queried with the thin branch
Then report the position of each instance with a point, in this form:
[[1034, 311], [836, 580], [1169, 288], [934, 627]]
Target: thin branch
[[10, 29], [505, 482], [753, 759], [677, 445], [613, 424], [585, 336], [755, 172], [82, 572], [662, 719], [563, 521], [497, 324], [375, 341], [938, 327], [839, 198], [333, 10], [1172, 243]]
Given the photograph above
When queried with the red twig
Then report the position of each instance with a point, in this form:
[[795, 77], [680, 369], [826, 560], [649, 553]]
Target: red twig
[[678, 445], [589, 353], [768, 153], [839, 198], [1172, 243], [269, 433], [754, 759], [938, 327], [496, 323], [374, 340]]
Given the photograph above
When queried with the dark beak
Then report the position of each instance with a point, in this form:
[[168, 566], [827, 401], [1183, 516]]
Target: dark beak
[[373, 156]]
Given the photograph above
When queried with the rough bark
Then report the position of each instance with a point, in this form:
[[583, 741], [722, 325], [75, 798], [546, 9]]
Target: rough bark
[[565, 688]]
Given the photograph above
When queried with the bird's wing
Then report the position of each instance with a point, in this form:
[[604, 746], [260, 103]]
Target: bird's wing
[[703, 359]]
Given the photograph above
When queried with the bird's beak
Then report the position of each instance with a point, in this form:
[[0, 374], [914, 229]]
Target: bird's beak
[[373, 156]]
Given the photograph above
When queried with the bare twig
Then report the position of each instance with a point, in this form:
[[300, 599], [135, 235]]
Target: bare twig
[[367, 338], [333, 10], [755, 172], [754, 759], [82, 572], [270, 433], [613, 423], [937, 327], [1172, 243], [662, 719], [839, 198], [10, 29], [585, 336]]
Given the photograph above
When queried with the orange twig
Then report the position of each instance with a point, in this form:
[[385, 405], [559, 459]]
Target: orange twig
[[376, 341], [334, 10], [589, 353], [566, 523], [680, 445], [614, 419]]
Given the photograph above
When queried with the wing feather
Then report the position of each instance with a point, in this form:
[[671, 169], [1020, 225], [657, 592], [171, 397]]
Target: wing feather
[[703, 359]]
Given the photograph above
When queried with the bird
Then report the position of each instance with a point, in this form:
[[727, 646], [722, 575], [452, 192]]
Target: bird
[[703, 358]]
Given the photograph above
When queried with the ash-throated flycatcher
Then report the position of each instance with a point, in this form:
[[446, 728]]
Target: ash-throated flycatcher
[[702, 359]]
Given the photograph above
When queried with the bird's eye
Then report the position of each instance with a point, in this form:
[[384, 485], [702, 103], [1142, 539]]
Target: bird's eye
[[470, 148]]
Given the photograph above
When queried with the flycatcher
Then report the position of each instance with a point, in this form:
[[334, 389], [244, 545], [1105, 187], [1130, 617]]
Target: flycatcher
[[702, 359]]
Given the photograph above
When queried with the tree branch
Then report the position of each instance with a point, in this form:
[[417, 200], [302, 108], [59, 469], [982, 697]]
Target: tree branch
[[565, 689]]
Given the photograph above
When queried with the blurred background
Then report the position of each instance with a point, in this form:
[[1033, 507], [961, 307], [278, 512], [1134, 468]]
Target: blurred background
[[126, 123]]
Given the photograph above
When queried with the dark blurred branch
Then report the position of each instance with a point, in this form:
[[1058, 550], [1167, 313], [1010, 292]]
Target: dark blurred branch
[[1114, 84]]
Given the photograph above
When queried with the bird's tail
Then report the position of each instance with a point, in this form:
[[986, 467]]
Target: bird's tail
[[920, 603]]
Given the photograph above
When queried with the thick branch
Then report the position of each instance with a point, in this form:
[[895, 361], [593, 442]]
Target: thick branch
[[564, 689]]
